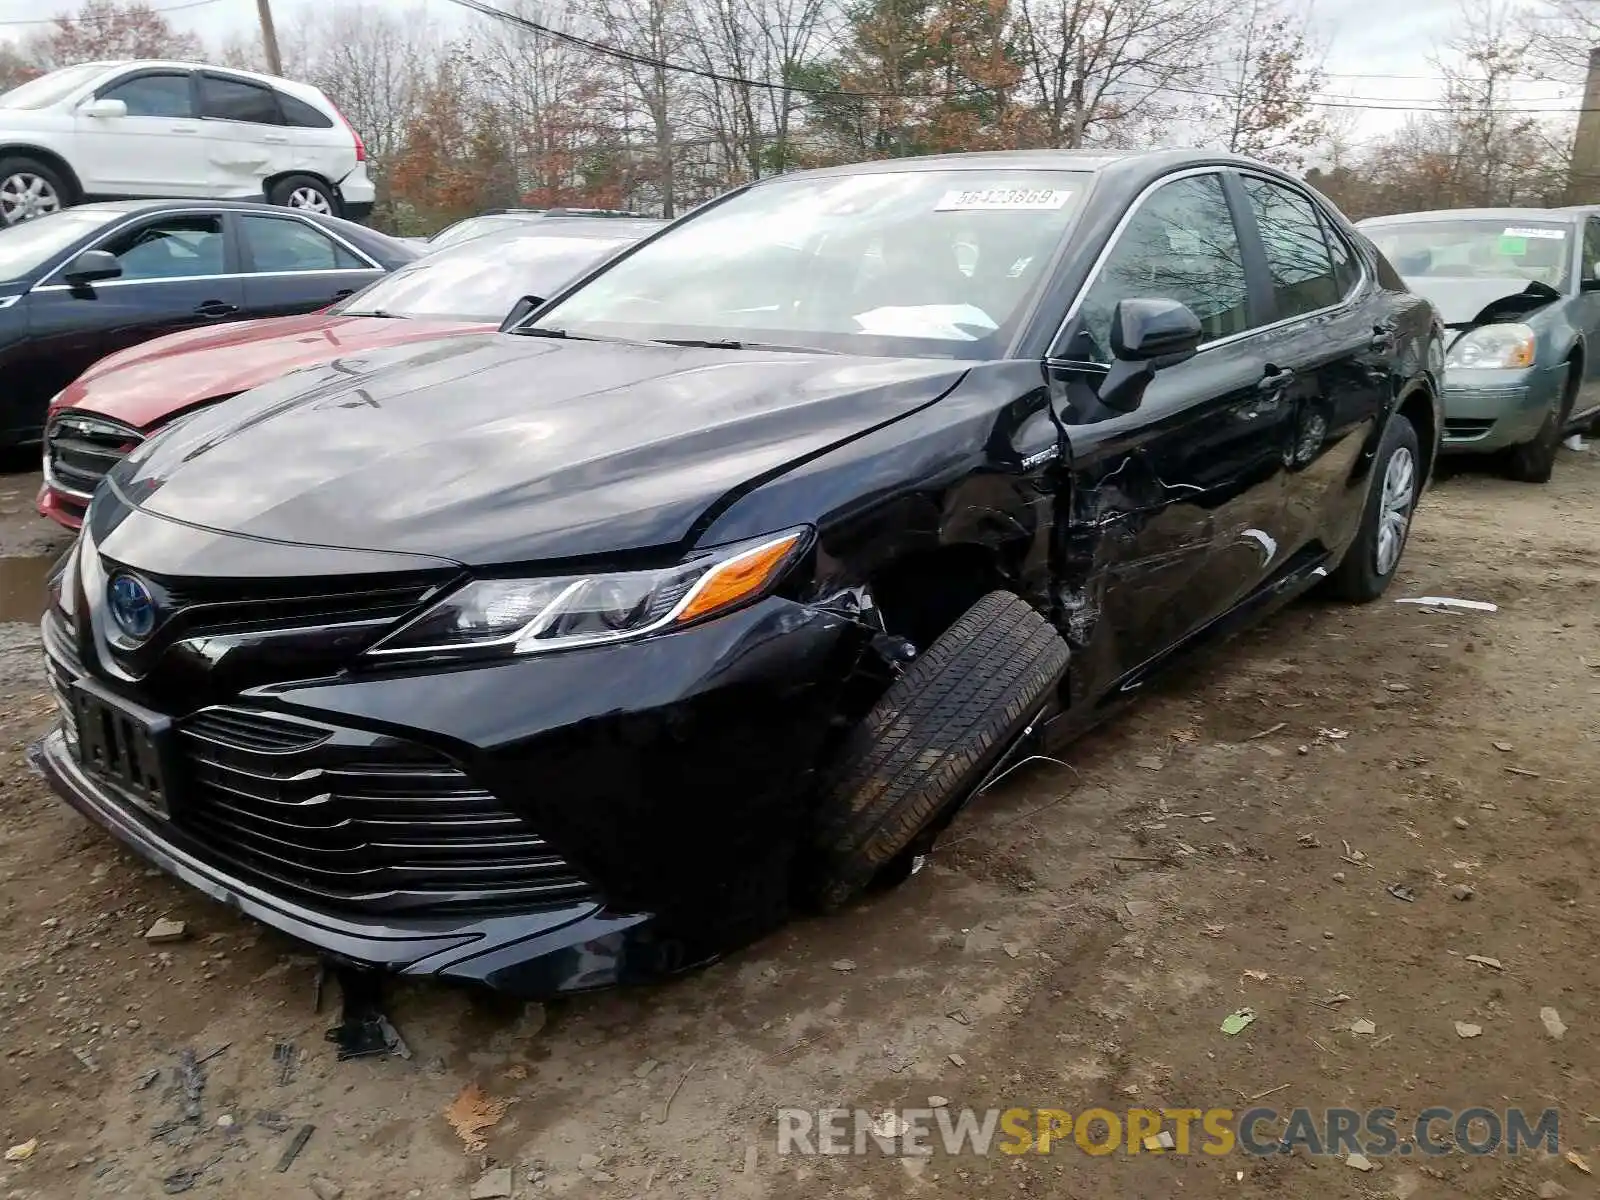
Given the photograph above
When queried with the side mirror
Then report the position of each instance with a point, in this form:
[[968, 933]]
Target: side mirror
[[1146, 336], [103, 108], [90, 266]]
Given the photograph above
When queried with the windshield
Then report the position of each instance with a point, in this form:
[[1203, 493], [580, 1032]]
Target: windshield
[[30, 244], [47, 89], [921, 263], [1481, 248], [470, 228], [482, 280]]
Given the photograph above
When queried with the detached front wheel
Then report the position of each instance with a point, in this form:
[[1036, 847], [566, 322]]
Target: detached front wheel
[[932, 737]]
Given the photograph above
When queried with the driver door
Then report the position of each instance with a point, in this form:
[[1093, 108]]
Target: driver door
[[1176, 509], [158, 149], [176, 275]]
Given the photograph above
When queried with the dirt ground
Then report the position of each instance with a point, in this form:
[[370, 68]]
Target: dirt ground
[[1076, 942]]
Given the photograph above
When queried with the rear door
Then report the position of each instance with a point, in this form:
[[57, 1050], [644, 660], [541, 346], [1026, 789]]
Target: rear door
[[1586, 315], [158, 149], [1176, 508], [178, 272], [292, 265], [245, 136], [1334, 334]]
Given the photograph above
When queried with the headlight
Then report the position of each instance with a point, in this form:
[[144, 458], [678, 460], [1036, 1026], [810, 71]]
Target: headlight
[[530, 616], [1506, 345]]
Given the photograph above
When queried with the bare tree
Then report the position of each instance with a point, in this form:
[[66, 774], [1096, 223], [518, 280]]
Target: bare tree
[[1268, 106], [106, 29], [1093, 64], [15, 67]]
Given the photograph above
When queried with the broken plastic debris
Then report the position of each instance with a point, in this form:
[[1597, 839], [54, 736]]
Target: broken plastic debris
[[1579, 1161], [1258, 975], [1161, 1141], [1359, 1161], [1553, 1024], [1237, 1022], [1467, 1030], [1363, 1026], [471, 1112], [1400, 892], [1484, 961], [1334, 735], [1451, 602], [1576, 442], [1503, 747], [23, 1151]]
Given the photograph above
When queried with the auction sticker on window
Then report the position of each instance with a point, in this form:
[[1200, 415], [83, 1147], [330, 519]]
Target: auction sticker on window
[[1532, 231], [1014, 199]]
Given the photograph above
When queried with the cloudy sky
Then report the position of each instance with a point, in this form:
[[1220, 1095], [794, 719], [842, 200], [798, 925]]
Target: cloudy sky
[[1377, 50]]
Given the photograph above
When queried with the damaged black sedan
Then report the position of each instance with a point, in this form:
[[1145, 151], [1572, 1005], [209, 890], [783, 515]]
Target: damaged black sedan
[[582, 652]]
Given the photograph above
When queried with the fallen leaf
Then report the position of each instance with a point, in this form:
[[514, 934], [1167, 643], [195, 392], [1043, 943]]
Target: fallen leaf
[[1579, 1161], [843, 964], [1249, 974], [1466, 1030], [471, 1112], [1185, 735], [1235, 1022], [1503, 747], [1484, 961], [1215, 931], [1363, 1026], [22, 1152]]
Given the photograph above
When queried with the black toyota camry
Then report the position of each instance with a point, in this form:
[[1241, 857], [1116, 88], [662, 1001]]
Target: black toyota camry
[[584, 651]]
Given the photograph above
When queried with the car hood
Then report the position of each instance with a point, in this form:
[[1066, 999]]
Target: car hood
[[1462, 302], [145, 385], [502, 448]]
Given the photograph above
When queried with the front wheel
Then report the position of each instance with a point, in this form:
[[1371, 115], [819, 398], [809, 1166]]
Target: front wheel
[[1372, 559], [29, 188], [930, 740]]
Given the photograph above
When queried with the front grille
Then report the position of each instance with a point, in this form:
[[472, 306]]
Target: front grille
[[81, 449], [359, 821], [201, 607], [61, 667], [1465, 428]]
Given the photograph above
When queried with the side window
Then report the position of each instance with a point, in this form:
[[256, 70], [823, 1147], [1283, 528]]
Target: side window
[[1297, 256], [1591, 249], [166, 95], [301, 115], [170, 248], [1346, 269], [237, 100], [1180, 245], [284, 244]]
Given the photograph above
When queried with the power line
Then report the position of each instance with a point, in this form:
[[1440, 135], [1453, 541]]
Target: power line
[[93, 19], [1372, 104]]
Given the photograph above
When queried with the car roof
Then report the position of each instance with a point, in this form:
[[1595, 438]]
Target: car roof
[[1034, 160], [295, 87], [1474, 214]]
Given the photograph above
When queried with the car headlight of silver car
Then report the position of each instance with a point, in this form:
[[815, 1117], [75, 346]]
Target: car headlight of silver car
[[1510, 345], [537, 615]]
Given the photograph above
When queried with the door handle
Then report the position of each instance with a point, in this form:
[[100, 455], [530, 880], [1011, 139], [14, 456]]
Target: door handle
[[343, 293], [276, 137], [183, 129], [215, 308], [1275, 380]]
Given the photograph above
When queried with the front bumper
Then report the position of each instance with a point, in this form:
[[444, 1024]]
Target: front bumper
[[60, 507], [1486, 411], [672, 773]]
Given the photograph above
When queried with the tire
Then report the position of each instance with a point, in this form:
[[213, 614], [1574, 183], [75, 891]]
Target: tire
[[304, 192], [1535, 461], [1371, 561], [30, 188], [928, 742]]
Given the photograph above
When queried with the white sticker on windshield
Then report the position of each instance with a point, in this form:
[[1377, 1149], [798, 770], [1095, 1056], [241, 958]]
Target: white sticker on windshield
[[1015, 199], [947, 322], [1533, 232]]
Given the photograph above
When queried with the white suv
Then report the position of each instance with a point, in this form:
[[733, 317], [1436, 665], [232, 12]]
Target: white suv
[[124, 130]]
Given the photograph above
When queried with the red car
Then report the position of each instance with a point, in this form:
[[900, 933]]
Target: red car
[[468, 288]]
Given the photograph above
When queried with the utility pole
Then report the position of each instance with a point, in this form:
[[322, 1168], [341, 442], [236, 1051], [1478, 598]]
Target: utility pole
[[269, 37], [1583, 176]]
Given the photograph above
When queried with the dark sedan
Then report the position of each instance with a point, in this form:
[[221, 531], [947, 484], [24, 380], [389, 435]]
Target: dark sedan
[[581, 652], [78, 285]]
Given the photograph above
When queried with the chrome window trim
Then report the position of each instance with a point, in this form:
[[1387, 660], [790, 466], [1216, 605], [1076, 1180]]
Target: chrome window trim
[[1133, 209], [44, 283]]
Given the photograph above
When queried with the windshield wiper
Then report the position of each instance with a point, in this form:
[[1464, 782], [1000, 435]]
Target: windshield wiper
[[381, 313], [731, 344]]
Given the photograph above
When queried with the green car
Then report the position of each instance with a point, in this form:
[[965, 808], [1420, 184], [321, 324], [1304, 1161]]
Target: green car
[[1519, 290]]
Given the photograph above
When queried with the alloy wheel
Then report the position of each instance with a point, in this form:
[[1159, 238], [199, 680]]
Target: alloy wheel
[[25, 195], [1394, 509], [311, 200]]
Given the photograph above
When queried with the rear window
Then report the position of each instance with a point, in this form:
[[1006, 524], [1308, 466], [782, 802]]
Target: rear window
[[236, 100], [301, 115]]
